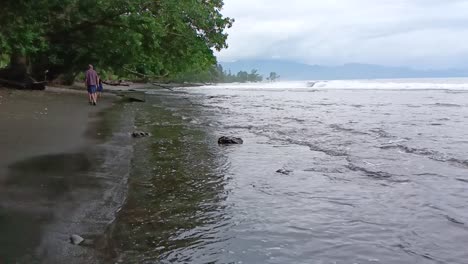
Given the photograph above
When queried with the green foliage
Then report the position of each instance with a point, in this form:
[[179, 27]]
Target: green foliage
[[108, 75], [273, 77], [4, 60], [216, 74], [155, 38]]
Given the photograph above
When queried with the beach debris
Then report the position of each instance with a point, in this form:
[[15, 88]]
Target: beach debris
[[16, 76], [284, 171], [76, 239], [117, 83], [230, 140], [136, 99], [140, 134], [133, 96]]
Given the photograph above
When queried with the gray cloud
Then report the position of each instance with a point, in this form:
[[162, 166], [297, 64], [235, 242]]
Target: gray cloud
[[417, 33]]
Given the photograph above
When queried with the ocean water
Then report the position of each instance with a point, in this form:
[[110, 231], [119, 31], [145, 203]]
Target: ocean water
[[369, 172]]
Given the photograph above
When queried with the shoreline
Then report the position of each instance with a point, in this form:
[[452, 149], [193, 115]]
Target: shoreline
[[64, 167], [175, 175]]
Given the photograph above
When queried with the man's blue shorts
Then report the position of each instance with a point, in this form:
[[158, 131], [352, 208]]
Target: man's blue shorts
[[91, 89]]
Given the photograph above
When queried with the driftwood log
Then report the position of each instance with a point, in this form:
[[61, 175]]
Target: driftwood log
[[116, 83], [17, 77]]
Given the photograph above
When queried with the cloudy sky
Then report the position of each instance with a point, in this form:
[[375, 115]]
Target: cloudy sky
[[415, 33]]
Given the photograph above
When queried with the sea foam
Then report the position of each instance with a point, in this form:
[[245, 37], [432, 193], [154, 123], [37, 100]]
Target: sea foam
[[383, 84]]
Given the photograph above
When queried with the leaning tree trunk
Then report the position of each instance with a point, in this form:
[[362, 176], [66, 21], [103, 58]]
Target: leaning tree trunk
[[16, 74], [16, 70]]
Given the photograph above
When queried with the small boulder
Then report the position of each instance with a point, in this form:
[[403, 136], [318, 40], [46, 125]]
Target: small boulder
[[284, 171], [230, 140], [140, 134], [76, 239]]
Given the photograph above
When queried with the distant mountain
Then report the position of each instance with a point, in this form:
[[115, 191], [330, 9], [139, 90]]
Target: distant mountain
[[298, 71]]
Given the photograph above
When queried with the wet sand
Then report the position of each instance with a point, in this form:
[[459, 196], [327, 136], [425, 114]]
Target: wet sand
[[64, 167]]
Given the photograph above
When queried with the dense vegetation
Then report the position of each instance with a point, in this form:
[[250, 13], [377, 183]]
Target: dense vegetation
[[156, 39], [216, 74]]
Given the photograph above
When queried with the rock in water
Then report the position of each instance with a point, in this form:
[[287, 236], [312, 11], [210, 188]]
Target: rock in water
[[76, 239], [140, 134], [284, 171], [230, 140]]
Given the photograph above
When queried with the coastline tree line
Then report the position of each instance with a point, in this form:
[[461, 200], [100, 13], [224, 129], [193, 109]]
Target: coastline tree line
[[216, 74], [147, 39]]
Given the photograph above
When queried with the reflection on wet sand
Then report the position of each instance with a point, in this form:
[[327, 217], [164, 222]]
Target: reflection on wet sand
[[58, 175], [175, 196]]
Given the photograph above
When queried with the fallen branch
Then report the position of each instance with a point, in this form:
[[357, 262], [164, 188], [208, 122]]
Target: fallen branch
[[153, 77], [116, 83]]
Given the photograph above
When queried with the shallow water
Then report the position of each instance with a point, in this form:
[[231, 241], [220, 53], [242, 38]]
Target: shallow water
[[375, 176]]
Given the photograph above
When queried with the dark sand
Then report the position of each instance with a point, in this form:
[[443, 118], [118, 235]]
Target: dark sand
[[64, 167]]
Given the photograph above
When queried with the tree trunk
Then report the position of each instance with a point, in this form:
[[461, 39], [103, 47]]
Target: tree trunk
[[16, 74], [16, 70], [43, 70]]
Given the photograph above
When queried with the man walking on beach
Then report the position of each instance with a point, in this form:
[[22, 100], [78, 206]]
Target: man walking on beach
[[91, 82]]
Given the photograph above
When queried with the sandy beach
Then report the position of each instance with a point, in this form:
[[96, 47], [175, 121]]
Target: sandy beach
[[63, 170]]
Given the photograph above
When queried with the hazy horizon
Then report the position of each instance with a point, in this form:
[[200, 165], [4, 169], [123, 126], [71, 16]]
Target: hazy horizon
[[340, 64], [297, 71], [399, 33]]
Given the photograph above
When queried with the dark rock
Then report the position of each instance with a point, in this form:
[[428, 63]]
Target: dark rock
[[132, 96], [76, 239], [284, 171], [140, 134], [230, 140], [136, 98]]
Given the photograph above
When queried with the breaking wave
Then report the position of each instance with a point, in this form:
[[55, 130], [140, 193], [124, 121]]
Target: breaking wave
[[456, 84], [432, 154]]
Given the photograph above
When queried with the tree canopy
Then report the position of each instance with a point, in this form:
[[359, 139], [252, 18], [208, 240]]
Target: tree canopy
[[273, 77], [157, 38], [216, 74]]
